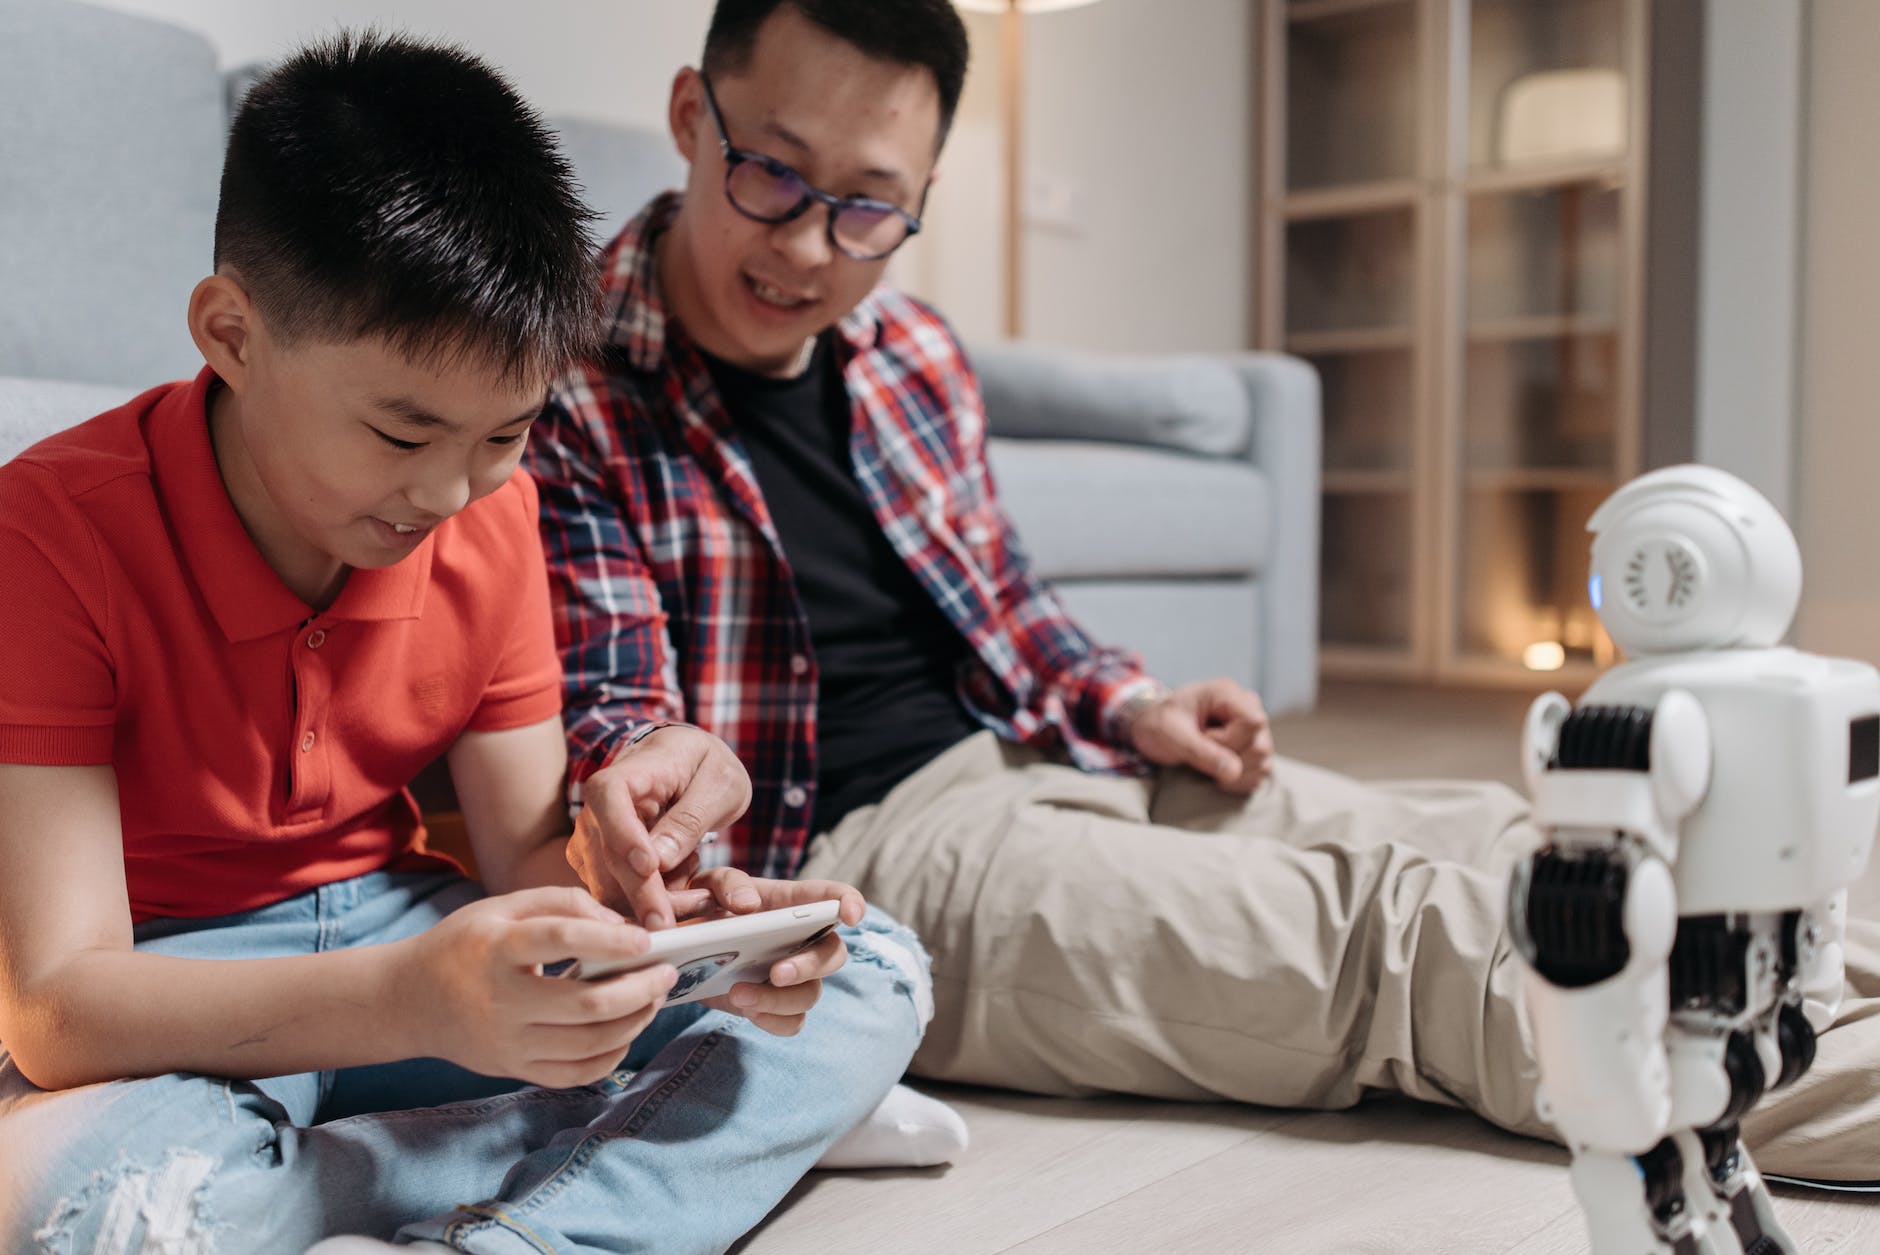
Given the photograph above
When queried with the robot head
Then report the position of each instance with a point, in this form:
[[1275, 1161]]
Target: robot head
[[1691, 557]]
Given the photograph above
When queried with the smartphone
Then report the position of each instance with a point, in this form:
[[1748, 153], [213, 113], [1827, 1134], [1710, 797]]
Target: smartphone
[[715, 954]]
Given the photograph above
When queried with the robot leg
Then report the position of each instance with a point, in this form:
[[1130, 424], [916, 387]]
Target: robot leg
[[1739, 1189], [1640, 1205]]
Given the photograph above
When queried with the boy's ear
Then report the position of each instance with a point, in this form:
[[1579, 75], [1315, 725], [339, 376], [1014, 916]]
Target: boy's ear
[[685, 110], [222, 321]]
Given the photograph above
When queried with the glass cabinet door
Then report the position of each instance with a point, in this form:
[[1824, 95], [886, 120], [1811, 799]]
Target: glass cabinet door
[[1349, 293], [1545, 329]]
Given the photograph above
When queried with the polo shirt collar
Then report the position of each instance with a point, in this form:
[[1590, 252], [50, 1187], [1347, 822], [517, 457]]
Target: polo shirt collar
[[637, 318], [242, 591]]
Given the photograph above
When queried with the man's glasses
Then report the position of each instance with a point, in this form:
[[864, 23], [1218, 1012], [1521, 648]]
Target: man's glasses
[[763, 189]]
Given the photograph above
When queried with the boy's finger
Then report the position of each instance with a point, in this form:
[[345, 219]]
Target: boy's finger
[[750, 1000], [811, 964], [558, 901], [605, 1000], [552, 938]]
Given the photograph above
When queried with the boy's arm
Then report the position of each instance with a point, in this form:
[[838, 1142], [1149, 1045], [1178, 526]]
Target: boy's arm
[[79, 1004], [510, 788]]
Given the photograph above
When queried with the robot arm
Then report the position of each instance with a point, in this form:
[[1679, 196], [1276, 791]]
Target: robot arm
[[1594, 911]]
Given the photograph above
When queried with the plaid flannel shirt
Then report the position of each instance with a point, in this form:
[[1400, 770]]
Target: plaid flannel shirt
[[673, 599]]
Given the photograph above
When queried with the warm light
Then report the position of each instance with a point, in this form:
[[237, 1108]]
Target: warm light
[[1544, 656], [1024, 6]]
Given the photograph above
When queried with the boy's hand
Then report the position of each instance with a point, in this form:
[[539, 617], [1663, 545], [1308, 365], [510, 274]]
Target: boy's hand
[[796, 981], [474, 982], [644, 814], [1216, 727]]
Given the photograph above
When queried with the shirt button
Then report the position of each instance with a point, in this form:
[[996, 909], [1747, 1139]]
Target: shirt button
[[306, 742], [795, 796], [798, 664], [317, 638]]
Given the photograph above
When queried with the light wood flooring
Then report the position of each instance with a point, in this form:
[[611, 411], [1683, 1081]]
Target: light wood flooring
[[1090, 1177]]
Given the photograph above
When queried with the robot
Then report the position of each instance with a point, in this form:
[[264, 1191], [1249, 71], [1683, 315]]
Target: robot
[[1705, 808]]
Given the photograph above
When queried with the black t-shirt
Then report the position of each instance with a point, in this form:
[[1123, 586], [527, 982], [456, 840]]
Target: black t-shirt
[[887, 701]]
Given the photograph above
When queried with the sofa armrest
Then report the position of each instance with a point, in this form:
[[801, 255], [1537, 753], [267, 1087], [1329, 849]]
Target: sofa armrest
[[1262, 408], [1283, 400]]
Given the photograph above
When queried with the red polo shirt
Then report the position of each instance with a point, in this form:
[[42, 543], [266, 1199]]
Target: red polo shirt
[[262, 748]]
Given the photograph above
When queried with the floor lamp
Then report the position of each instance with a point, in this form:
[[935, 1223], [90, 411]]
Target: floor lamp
[[1012, 52]]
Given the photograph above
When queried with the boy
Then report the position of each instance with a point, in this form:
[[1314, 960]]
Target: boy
[[768, 511], [245, 611]]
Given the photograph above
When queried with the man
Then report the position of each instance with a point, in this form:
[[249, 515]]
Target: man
[[768, 515]]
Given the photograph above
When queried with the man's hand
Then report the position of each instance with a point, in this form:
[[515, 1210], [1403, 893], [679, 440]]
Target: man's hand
[[1216, 727], [644, 814], [477, 996], [796, 981]]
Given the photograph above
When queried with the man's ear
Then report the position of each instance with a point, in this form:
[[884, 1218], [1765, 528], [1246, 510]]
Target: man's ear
[[685, 111], [224, 325]]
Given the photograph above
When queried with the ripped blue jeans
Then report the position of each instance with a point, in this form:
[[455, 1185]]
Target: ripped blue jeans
[[705, 1127]]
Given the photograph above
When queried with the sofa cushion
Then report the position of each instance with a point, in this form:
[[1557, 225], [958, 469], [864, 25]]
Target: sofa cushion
[[1191, 403], [32, 409], [1095, 511], [112, 153]]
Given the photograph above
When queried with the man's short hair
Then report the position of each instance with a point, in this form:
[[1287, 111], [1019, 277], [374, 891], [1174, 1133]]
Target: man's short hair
[[925, 33], [384, 186]]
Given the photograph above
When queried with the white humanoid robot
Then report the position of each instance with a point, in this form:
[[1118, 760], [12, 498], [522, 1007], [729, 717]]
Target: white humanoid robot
[[1706, 806]]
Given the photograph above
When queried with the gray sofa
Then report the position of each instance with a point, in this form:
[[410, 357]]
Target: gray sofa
[[1172, 501]]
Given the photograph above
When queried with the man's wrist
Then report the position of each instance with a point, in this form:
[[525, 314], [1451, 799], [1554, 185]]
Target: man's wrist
[[641, 733], [1144, 696]]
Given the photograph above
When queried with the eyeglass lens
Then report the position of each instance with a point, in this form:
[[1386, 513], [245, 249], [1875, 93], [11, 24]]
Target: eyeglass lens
[[772, 192]]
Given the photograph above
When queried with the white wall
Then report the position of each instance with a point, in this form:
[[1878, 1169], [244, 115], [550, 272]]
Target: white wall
[[1139, 135], [1138, 109], [1837, 508], [606, 59]]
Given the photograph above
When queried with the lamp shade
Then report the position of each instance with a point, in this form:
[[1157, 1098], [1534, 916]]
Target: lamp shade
[[1024, 6]]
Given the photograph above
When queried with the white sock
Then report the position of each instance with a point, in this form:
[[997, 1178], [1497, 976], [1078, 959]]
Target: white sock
[[908, 1130]]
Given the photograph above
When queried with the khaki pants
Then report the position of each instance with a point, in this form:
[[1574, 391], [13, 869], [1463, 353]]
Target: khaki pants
[[1319, 940]]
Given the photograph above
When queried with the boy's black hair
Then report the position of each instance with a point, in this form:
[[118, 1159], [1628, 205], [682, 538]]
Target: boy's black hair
[[379, 185], [926, 33]]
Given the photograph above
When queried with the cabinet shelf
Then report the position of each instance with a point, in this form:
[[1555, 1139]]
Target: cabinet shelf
[[1348, 199], [1320, 10], [1544, 176], [1539, 327], [1351, 340], [1368, 662], [1360, 482], [1539, 479]]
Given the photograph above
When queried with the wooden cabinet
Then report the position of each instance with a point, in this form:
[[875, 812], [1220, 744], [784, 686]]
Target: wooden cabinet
[[1452, 232]]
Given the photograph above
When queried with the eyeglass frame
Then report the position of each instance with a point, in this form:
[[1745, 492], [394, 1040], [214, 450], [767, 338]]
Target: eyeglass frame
[[812, 195]]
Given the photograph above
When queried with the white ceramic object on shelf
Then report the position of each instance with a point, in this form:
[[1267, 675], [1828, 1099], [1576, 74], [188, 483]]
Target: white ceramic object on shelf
[[1560, 115]]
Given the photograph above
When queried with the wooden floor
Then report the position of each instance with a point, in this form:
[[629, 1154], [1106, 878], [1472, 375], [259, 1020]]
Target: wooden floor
[[1057, 1177]]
